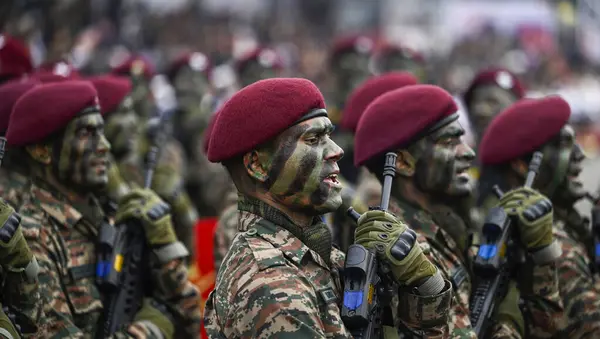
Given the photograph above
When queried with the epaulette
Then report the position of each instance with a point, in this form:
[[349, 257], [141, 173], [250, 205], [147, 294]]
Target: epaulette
[[265, 254]]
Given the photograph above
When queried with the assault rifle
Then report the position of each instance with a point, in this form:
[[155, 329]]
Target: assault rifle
[[365, 308], [494, 262], [125, 274]]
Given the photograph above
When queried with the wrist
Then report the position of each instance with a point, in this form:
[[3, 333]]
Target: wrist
[[432, 285], [547, 254]]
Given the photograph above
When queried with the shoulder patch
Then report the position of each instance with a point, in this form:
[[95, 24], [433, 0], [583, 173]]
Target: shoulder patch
[[265, 254]]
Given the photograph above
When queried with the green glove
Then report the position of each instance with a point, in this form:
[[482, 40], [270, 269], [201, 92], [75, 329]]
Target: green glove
[[144, 205], [508, 311], [8, 329], [150, 313], [534, 214], [397, 245], [14, 252]]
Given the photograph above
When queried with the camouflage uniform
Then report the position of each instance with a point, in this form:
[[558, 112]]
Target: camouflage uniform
[[13, 186], [581, 298], [225, 232], [63, 240], [540, 292], [272, 285]]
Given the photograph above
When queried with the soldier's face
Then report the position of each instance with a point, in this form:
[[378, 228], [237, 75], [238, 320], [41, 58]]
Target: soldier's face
[[351, 70], [562, 149], [401, 63], [122, 128], [487, 102], [303, 175], [83, 158], [143, 101], [190, 86], [442, 162], [255, 72]]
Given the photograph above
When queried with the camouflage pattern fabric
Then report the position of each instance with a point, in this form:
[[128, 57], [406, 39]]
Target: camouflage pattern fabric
[[539, 291], [369, 188], [13, 187], [63, 240], [227, 228], [272, 285]]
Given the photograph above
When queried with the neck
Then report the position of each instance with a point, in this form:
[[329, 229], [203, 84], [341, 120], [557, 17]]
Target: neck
[[301, 220], [405, 190]]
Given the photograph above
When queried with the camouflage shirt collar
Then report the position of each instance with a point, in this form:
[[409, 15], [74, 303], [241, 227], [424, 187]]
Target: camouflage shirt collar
[[294, 241], [59, 209]]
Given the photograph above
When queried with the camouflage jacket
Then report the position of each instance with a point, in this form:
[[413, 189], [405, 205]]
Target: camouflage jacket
[[227, 228], [13, 187], [63, 241], [272, 285], [580, 296], [540, 291]]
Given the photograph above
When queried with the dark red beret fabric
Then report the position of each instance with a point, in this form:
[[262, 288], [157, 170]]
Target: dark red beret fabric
[[266, 57], [368, 91], [361, 44], [208, 131], [111, 91], [46, 109], [395, 118], [124, 68], [387, 49], [492, 76], [260, 112], [15, 59], [195, 60], [10, 92], [58, 69], [522, 128]]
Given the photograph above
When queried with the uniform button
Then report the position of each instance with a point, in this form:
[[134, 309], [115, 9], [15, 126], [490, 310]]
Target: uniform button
[[251, 231]]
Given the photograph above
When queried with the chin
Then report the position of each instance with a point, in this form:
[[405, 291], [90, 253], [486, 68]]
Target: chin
[[331, 205]]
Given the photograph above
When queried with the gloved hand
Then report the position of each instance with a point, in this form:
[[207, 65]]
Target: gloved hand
[[397, 245], [14, 252], [8, 329], [534, 214], [144, 205], [150, 313], [508, 310]]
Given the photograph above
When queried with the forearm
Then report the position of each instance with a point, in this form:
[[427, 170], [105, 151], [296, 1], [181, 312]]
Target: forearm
[[426, 316]]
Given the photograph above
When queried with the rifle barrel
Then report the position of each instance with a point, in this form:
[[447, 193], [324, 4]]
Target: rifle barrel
[[389, 172], [534, 168]]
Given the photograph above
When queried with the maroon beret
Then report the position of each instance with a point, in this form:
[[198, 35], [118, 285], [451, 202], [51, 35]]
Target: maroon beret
[[197, 61], [111, 90], [58, 69], [33, 119], [126, 67], [208, 131], [495, 76], [260, 112], [368, 91], [266, 57], [360, 44], [522, 128], [397, 117], [10, 92], [15, 59], [388, 49]]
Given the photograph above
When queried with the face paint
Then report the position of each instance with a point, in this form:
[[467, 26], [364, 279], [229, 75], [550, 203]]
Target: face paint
[[143, 102], [122, 128], [83, 157], [442, 162], [487, 102], [351, 70], [255, 72], [562, 152], [190, 86], [303, 168], [397, 62]]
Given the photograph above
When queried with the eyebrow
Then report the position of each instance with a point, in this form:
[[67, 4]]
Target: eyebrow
[[450, 132], [327, 128]]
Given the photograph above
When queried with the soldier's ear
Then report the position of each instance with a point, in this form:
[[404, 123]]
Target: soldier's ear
[[255, 167], [40, 153], [519, 166], [405, 163]]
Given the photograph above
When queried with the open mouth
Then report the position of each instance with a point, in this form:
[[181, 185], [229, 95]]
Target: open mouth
[[332, 179]]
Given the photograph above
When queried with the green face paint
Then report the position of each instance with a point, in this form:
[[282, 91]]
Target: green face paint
[[83, 158], [351, 70], [303, 168], [442, 162], [122, 129], [487, 102], [397, 62], [561, 167], [254, 72], [190, 86]]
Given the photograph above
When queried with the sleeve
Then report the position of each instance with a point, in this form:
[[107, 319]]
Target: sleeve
[[426, 316], [173, 287], [52, 310], [275, 303], [543, 308], [225, 232], [580, 297]]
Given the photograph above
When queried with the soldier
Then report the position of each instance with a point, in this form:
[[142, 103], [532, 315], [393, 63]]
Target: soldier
[[281, 276], [420, 124], [390, 57], [123, 132], [141, 72], [13, 175], [67, 153], [542, 125], [15, 60], [258, 64]]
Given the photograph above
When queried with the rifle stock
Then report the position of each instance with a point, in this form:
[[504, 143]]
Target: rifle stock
[[493, 264]]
